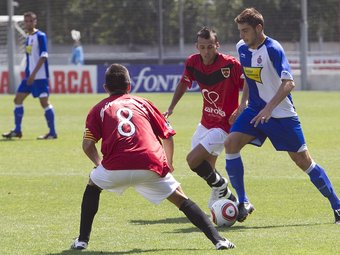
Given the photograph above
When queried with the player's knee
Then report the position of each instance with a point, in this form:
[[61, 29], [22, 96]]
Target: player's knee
[[177, 197], [302, 162], [192, 161], [17, 101], [229, 145], [92, 184], [235, 142]]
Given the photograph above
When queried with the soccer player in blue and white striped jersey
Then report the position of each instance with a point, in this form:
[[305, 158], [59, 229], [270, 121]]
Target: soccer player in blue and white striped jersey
[[270, 111], [36, 79]]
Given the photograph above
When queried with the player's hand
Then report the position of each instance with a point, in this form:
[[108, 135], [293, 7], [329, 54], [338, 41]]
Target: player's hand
[[262, 117], [233, 117], [168, 113], [171, 168], [30, 80], [236, 113]]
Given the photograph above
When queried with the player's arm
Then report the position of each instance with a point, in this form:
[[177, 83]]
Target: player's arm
[[168, 145], [245, 96], [90, 149], [243, 104], [163, 130], [41, 61], [179, 92], [284, 90]]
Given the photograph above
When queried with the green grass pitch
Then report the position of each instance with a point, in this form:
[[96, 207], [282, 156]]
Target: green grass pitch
[[42, 182]]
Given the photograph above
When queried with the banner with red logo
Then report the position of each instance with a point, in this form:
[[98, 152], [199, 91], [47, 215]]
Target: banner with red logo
[[63, 79]]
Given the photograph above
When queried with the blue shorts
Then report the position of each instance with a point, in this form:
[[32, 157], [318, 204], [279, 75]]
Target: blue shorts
[[284, 133], [39, 88]]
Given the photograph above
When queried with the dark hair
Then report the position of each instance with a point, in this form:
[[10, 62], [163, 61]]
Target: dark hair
[[250, 16], [207, 33], [30, 14], [117, 79]]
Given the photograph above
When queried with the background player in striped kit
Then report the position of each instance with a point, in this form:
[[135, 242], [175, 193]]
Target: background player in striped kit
[[35, 80], [270, 112]]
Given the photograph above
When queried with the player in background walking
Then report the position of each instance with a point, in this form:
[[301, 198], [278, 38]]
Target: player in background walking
[[36, 79], [131, 127], [270, 112], [219, 77]]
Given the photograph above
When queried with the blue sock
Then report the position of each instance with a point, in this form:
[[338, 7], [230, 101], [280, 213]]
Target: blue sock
[[320, 179], [18, 115], [235, 170], [49, 115]]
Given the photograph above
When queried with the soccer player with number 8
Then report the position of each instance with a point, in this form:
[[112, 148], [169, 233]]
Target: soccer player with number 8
[[131, 129]]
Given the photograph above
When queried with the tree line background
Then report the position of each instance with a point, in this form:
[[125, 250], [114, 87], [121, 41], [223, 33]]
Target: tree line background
[[135, 22]]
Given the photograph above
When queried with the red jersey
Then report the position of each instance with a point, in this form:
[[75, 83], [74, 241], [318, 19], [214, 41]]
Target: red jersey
[[219, 83], [130, 128]]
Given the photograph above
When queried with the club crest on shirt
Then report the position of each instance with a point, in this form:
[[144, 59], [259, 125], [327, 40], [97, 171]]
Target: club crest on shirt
[[225, 72]]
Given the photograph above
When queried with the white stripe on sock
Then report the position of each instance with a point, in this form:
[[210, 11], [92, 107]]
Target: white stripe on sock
[[232, 156]]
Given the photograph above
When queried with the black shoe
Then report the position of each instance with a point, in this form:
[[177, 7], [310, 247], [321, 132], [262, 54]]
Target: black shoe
[[47, 137], [244, 209], [337, 216], [12, 134]]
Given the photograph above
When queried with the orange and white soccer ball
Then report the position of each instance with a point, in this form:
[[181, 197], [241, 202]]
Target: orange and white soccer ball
[[224, 212]]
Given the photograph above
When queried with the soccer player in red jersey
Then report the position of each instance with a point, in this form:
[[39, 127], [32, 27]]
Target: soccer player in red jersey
[[133, 133], [220, 79]]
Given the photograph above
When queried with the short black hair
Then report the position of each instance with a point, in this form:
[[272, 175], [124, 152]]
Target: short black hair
[[207, 33], [117, 78]]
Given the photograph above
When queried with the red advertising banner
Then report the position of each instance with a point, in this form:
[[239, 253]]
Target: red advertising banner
[[63, 79]]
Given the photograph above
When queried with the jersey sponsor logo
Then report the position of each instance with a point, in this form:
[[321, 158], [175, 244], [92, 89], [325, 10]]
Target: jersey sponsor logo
[[253, 73], [225, 72], [212, 97], [29, 49]]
